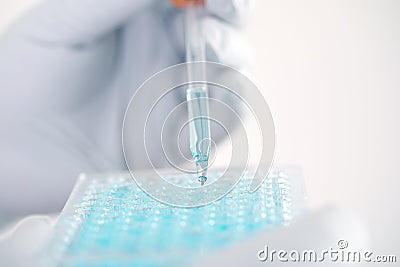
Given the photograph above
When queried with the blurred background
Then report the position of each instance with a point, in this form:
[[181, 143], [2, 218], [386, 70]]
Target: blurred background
[[330, 71]]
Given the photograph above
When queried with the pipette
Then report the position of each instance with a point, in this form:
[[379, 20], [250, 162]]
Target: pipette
[[196, 94]]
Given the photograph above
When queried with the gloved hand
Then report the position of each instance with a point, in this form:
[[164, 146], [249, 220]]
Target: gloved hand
[[23, 245], [67, 71]]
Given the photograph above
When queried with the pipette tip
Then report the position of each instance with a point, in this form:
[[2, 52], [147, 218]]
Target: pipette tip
[[202, 179], [202, 170]]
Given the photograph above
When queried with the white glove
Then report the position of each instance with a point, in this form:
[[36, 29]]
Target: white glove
[[24, 243], [67, 71]]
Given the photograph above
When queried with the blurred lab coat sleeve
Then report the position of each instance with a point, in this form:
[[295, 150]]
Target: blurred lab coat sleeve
[[57, 111]]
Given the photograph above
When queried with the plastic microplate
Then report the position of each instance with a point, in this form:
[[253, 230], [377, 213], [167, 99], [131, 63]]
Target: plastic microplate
[[109, 221]]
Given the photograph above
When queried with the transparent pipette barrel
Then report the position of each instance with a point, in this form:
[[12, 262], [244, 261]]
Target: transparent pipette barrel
[[196, 94], [199, 126]]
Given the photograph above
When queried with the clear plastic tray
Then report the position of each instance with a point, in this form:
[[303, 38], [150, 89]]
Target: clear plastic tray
[[109, 221]]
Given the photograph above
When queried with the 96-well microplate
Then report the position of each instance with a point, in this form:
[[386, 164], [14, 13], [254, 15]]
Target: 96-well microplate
[[109, 221]]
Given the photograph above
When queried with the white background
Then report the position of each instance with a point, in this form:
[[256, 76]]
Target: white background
[[330, 71]]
